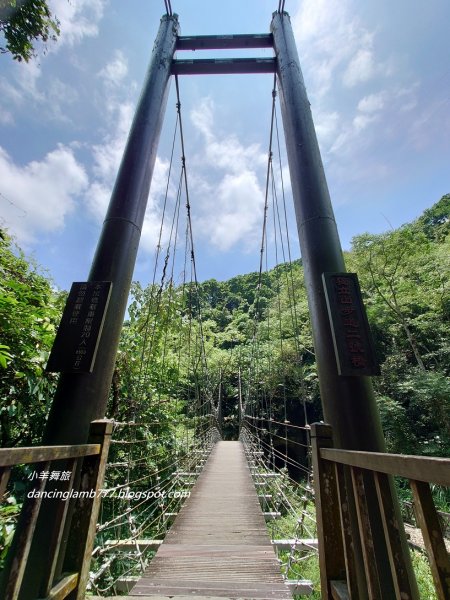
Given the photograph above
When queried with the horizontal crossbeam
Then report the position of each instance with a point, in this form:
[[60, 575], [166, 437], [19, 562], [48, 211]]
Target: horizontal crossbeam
[[35, 454], [225, 42], [421, 468], [226, 66]]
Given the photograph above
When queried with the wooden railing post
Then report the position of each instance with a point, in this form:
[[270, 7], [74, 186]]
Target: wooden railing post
[[14, 572], [331, 552], [371, 564], [84, 519], [56, 534], [428, 521], [351, 545], [402, 575]]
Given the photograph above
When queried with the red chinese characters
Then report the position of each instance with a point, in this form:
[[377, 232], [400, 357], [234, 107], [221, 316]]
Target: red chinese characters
[[351, 324]]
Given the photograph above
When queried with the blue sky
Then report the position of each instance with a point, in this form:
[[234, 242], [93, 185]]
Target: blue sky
[[378, 78]]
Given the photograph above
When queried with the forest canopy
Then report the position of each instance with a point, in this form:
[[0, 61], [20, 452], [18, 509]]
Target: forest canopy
[[405, 279]]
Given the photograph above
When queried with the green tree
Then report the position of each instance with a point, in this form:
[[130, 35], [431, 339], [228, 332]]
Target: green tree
[[396, 269], [435, 221], [23, 23], [29, 313], [405, 278]]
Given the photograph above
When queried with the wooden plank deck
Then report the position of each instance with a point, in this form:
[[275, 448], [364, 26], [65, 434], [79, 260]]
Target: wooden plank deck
[[218, 545]]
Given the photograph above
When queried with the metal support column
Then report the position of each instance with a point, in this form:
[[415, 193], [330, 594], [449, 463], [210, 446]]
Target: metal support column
[[82, 397], [348, 402]]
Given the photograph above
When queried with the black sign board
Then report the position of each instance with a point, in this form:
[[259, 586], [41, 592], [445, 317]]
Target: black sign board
[[352, 338], [76, 342]]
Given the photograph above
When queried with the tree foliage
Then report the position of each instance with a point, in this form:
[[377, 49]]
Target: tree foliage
[[174, 333], [405, 276], [29, 312], [23, 23], [248, 339]]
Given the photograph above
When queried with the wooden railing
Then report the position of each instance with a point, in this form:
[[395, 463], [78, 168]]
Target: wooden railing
[[73, 519], [335, 472]]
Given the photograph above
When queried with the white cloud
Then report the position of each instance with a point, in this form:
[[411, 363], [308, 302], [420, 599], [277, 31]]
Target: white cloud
[[331, 40], [6, 117], [98, 196], [372, 103], [359, 131], [224, 152], [26, 86], [153, 214], [236, 213], [97, 199], [9, 93], [407, 97], [106, 159], [78, 19], [202, 117], [327, 126], [430, 125], [38, 197], [27, 79], [360, 69], [118, 116], [228, 211], [348, 73], [115, 71], [108, 154], [361, 122]]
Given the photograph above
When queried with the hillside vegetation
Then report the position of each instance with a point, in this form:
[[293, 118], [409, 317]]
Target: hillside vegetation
[[405, 278]]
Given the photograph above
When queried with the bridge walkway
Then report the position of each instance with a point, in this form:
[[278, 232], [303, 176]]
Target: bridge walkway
[[218, 546]]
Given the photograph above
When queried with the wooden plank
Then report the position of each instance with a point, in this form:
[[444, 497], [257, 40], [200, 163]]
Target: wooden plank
[[305, 544], [339, 590], [161, 597], [331, 553], [248, 590], [219, 544], [56, 534], [111, 545], [63, 588], [124, 584], [84, 519], [347, 539], [300, 587], [36, 454], [22, 543], [365, 531], [271, 516], [420, 468], [404, 582], [428, 521], [444, 519], [4, 478]]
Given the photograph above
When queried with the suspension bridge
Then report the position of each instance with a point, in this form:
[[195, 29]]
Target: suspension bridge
[[157, 504]]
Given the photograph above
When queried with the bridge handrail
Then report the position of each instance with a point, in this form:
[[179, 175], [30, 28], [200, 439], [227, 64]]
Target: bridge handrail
[[348, 477], [419, 468], [66, 571], [10, 457]]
